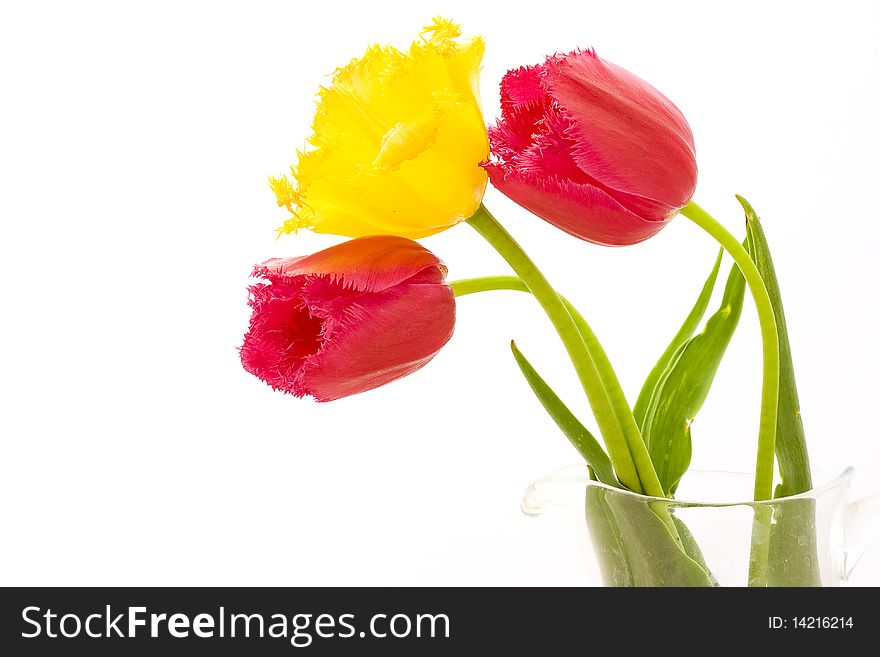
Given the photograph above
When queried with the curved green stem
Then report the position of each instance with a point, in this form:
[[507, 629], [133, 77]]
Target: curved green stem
[[770, 390], [626, 447], [464, 286]]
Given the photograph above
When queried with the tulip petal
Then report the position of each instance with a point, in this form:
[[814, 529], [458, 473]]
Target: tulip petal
[[580, 209], [524, 103], [629, 136], [368, 264], [354, 356], [522, 87], [551, 152], [282, 335]]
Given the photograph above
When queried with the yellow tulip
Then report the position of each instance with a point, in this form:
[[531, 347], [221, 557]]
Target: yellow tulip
[[397, 142]]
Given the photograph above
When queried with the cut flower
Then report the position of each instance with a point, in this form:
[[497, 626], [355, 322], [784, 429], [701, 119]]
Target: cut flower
[[397, 143], [349, 318], [591, 148]]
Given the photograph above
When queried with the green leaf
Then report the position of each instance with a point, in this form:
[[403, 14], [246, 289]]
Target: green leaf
[[655, 553], [691, 547], [634, 546], [792, 558], [685, 385], [669, 356], [791, 445], [576, 432], [606, 540]]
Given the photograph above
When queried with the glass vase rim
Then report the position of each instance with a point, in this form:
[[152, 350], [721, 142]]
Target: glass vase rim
[[829, 481]]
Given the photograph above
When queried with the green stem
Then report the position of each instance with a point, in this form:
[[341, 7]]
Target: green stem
[[626, 448], [464, 286], [770, 390]]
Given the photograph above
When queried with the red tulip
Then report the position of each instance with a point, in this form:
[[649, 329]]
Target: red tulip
[[592, 149], [347, 319]]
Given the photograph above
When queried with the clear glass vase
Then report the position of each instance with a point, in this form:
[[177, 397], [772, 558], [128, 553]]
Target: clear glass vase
[[711, 535]]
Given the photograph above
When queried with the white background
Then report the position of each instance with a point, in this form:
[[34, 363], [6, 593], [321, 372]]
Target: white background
[[135, 143]]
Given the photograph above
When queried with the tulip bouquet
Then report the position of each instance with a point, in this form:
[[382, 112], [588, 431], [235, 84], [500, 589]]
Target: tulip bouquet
[[400, 151]]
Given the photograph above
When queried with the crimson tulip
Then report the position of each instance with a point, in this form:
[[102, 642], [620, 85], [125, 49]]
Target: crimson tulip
[[591, 148], [349, 318]]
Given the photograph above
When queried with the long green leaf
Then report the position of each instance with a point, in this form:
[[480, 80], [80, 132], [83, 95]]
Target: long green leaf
[[791, 444], [577, 433], [792, 553], [655, 553], [635, 547], [606, 539], [691, 322], [685, 386], [691, 547]]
